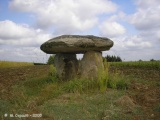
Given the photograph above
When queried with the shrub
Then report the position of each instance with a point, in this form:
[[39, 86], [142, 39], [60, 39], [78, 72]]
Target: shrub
[[79, 85], [122, 84], [73, 86], [111, 83], [103, 77], [52, 75], [50, 60], [116, 81]]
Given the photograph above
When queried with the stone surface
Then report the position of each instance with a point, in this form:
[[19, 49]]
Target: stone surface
[[91, 63], [66, 66], [76, 44]]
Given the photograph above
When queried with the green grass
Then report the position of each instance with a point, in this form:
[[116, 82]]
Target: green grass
[[39, 91], [83, 107], [95, 106], [157, 108], [117, 81], [75, 99], [5, 106], [80, 86], [138, 64], [103, 77], [8, 64]]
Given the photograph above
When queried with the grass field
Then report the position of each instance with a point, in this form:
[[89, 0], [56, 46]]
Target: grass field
[[7, 64], [138, 64], [36, 90]]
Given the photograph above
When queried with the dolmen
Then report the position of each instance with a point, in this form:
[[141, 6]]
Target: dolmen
[[67, 46]]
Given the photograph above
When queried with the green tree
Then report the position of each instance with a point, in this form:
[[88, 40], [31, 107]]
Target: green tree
[[152, 60], [50, 60], [119, 59], [113, 58]]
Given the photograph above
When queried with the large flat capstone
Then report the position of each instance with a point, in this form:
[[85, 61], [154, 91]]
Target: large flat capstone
[[76, 44]]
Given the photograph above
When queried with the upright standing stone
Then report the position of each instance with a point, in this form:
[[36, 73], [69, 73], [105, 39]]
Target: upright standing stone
[[91, 63], [66, 66]]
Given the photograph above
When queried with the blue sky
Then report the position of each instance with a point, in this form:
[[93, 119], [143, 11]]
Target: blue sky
[[133, 25]]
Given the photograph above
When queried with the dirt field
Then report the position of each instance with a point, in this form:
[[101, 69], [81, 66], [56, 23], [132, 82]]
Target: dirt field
[[9, 76], [144, 88]]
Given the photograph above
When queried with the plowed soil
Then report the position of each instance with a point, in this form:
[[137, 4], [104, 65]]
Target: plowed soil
[[144, 89], [145, 94], [9, 76]]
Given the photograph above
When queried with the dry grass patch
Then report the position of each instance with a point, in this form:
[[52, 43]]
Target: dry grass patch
[[8, 64]]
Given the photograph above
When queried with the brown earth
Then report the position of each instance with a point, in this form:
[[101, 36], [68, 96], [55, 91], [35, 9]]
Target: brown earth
[[9, 76], [144, 88]]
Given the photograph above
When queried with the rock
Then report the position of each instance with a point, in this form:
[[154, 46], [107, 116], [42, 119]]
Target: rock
[[76, 44], [91, 63], [67, 46], [66, 66], [126, 102]]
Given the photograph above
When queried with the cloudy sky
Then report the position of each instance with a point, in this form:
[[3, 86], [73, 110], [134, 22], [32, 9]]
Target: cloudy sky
[[133, 25]]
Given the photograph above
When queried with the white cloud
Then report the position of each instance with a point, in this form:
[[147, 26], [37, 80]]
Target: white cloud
[[22, 41], [147, 15], [131, 48], [137, 43], [145, 42], [146, 19], [21, 34], [28, 54], [158, 35], [111, 29], [147, 3], [65, 16], [134, 43], [9, 29]]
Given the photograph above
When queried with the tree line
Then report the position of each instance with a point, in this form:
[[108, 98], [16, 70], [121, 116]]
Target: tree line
[[112, 58]]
